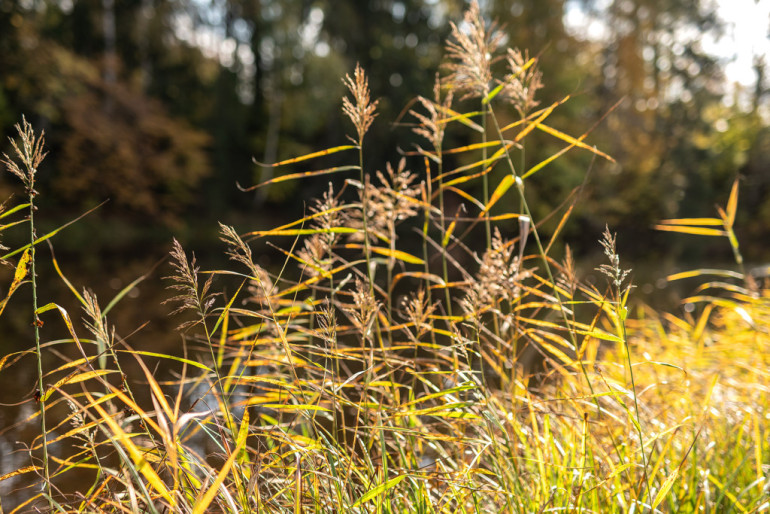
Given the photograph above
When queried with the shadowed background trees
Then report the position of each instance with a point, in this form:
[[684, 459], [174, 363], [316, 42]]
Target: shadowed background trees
[[160, 106]]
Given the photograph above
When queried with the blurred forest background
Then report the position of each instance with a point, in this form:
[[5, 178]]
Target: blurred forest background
[[159, 107]]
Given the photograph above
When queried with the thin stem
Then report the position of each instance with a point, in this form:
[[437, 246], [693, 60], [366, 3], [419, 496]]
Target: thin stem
[[445, 269], [425, 230], [485, 178], [364, 215], [391, 265], [35, 323], [543, 256], [621, 316]]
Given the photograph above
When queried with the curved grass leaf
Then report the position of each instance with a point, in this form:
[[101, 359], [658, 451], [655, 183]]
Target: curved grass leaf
[[573, 141], [698, 222], [22, 268], [697, 231], [301, 174], [75, 378], [309, 156], [387, 252], [10, 211], [137, 456], [21, 471], [303, 231], [380, 489], [705, 271], [169, 357], [50, 234]]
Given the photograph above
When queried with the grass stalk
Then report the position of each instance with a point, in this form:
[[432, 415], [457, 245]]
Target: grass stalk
[[39, 353], [31, 154], [541, 252]]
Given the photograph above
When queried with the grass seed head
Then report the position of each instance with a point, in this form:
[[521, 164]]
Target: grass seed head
[[361, 109], [499, 275], [386, 205], [433, 125], [472, 50], [185, 282], [363, 310], [612, 270], [30, 153], [522, 82], [418, 311]]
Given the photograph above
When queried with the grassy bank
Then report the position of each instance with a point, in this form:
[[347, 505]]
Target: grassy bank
[[472, 371]]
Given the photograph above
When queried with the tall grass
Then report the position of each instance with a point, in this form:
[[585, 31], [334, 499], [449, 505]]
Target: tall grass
[[470, 371]]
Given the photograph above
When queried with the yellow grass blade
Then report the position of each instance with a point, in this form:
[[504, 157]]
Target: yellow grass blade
[[413, 274], [387, 252], [704, 271], [75, 378], [498, 193], [64, 279], [699, 222], [530, 127], [222, 319], [157, 393], [309, 156], [732, 205], [554, 350], [202, 505], [301, 174], [475, 146], [20, 471], [600, 334], [665, 488], [12, 224], [448, 234], [573, 141], [170, 357], [380, 489], [463, 179], [700, 326], [730, 496], [542, 164], [307, 218], [559, 227], [49, 234], [303, 231], [67, 321], [433, 396], [294, 408], [442, 412], [16, 208], [467, 196], [531, 116], [318, 278], [492, 94], [22, 268], [691, 230], [136, 455], [466, 178], [462, 118]]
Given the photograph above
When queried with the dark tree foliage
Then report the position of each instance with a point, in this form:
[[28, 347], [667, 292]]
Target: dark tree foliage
[[139, 83]]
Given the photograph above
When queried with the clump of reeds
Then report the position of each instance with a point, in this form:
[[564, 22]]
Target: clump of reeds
[[472, 371]]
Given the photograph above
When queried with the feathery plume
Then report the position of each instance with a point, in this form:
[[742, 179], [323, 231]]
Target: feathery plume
[[472, 52], [185, 282], [30, 153], [361, 110]]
